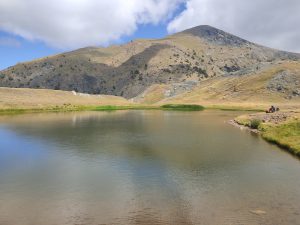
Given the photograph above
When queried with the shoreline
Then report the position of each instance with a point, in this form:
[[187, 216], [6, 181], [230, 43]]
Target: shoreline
[[243, 127], [78, 108], [115, 107], [284, 131], [15, 111]]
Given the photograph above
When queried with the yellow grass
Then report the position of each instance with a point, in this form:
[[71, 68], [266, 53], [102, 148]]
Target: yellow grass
[[23, 98]]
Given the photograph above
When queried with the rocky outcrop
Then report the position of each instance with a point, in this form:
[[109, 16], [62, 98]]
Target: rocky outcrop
[[216, 36], [285, 82]]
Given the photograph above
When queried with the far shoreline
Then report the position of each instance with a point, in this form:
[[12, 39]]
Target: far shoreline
[[285, 133]]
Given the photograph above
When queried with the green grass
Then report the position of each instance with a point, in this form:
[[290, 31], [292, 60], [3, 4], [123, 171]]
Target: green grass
[[64, 108], [114, 108], [286, 135], [255, 123], [241, 109], [12, 111], [70, 108], [235, 108], [182, 107]]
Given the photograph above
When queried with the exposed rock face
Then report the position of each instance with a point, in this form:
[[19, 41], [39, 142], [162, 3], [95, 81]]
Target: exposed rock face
[[194, 55], [216, 36], [179, 88], [285, 82]]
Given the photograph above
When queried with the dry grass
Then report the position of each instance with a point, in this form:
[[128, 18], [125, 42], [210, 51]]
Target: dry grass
[[23, 98], [152, 95], [245, 91]]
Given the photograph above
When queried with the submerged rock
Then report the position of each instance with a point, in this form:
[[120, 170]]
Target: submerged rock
[[258, 212]]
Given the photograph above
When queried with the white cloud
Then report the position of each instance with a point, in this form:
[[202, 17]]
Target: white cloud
[[78, 23], [273, 23]]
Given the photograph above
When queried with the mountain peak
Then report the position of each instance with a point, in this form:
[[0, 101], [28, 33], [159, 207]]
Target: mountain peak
[[215, 35]]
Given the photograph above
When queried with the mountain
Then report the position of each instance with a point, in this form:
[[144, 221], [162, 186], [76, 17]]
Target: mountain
[[216, 36], [203, 62]]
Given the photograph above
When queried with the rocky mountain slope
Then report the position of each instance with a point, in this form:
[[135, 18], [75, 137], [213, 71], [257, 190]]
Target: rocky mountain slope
[[150, 71]]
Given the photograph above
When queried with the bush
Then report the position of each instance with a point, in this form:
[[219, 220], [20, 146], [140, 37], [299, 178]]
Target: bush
[[183, 107], [255, 123]]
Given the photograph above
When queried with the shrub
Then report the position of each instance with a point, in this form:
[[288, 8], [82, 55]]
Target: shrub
[[255, 123], [183, 107], [133, 76]]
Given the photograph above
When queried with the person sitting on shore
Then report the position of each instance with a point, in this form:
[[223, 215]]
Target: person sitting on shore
[[272, 109]]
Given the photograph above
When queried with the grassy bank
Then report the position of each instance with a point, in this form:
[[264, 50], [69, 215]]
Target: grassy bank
[[285, 134], [235, 108], [72, 108], [130, 107], [63, 108]]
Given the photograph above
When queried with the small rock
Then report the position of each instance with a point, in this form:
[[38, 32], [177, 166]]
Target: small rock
[[258, 212], [296, 93]]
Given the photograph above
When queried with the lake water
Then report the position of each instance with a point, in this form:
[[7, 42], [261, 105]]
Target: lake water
[[142, 167]]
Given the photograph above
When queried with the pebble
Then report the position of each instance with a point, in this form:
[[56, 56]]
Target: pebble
[[258, 212]]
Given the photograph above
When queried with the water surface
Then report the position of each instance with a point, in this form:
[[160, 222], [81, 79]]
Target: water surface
[[142, 167]]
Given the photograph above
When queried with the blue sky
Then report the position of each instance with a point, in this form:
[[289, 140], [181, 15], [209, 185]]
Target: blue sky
[[21, 50], [25, 50], [62, 25], [15, 49]]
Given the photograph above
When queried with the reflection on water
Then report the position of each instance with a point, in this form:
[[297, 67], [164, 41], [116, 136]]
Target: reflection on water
[[142, 167]]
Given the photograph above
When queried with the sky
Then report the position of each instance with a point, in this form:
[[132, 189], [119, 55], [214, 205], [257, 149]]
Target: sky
[[36, 28]]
